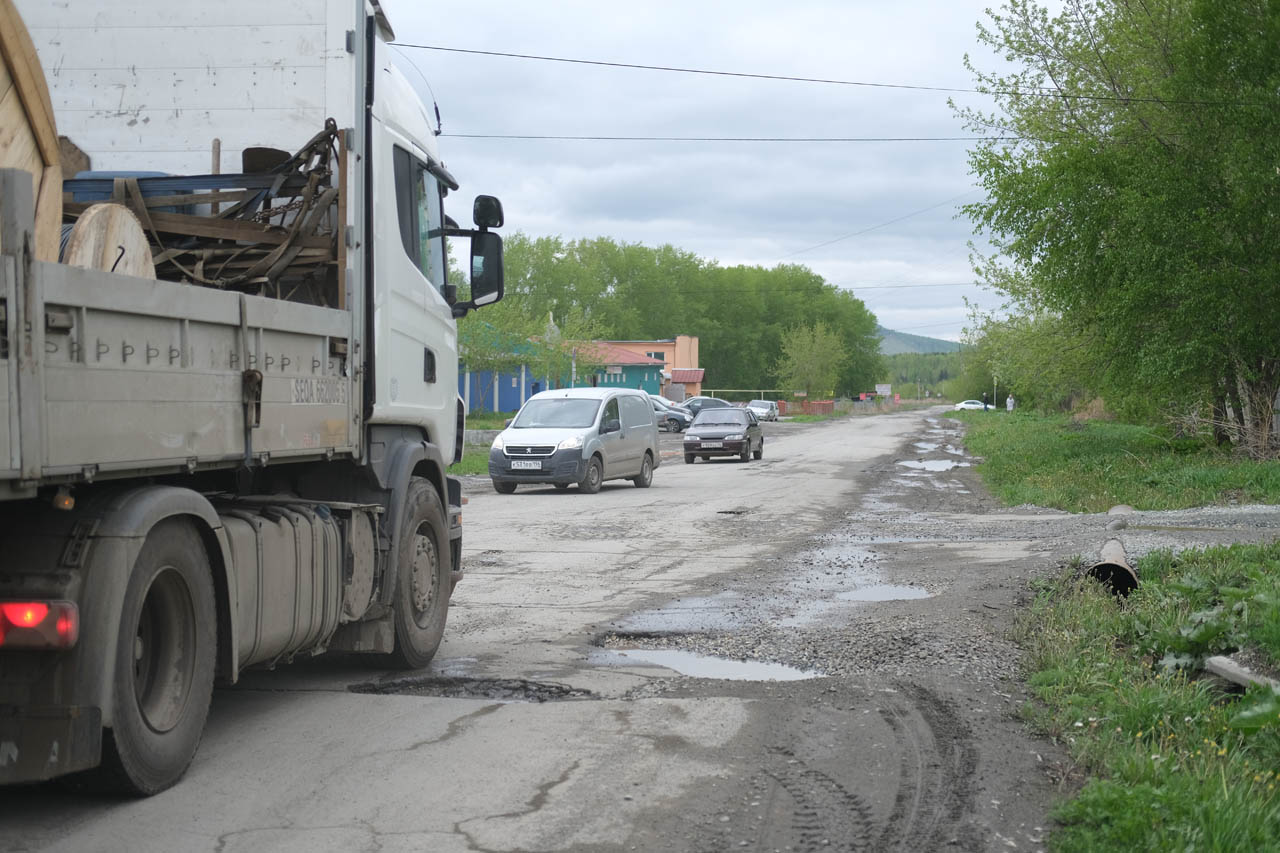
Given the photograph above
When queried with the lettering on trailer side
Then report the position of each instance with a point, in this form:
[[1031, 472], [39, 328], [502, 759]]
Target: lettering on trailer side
[[319, 391]]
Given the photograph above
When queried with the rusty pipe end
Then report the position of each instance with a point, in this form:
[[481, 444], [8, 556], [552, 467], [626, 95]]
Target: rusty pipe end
[[1113, 570]]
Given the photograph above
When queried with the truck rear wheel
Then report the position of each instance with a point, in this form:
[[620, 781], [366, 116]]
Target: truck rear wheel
[[423, 580], [164, 663]]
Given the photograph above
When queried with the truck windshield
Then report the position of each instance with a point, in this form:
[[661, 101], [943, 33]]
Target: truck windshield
[[557, 412]]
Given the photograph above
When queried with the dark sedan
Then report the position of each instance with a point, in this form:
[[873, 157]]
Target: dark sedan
[[724, 432], [671, 418], [697, 404]]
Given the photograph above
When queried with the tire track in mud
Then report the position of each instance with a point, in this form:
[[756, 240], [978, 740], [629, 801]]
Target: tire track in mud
[[822, 813], [938, 759]]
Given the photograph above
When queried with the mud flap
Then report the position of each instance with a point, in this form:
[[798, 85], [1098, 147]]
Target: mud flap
[[41, 742]]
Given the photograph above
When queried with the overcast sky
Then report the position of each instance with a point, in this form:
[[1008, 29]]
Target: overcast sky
[[734, 202]]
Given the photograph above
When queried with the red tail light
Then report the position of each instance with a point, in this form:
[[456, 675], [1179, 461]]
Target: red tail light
[[38, 624]]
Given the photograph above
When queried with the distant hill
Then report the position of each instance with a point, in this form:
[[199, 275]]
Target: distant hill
[[892, 343]]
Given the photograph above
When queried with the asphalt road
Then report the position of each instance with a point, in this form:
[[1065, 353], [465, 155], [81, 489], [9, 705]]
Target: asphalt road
[[558, 717]]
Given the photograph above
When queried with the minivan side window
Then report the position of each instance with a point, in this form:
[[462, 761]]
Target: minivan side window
[[635, 412], [610, 412]]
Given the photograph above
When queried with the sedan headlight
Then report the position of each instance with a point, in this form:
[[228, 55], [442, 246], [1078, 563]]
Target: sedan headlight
[[737, 437], [497, 443], [688, 436], [571, 443]]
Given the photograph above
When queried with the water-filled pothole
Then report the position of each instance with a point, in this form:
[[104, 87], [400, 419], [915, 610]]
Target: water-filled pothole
[[884, 592], [932, 464], [451, 687], [707, 666]]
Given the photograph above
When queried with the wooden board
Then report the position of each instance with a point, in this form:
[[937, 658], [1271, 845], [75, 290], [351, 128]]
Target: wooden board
[[28, 136], [109, 237]]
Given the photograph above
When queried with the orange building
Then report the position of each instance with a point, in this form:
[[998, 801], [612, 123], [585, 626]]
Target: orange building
[[681, 375]]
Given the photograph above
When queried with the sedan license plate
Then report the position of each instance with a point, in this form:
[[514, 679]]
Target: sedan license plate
[[526, 464], [707, 444]]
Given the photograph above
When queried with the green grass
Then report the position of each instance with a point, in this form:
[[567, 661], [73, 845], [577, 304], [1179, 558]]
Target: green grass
[[1092, 466], [1117, 681], [475, 460], [812, 419], [488, 420]]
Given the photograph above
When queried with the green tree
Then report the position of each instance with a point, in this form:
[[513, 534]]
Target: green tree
[[812, 359], [1132, 171]]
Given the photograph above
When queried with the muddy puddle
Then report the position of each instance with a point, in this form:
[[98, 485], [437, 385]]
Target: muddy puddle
[[685, 615], [934, 465], [885, 592], [706, 666]]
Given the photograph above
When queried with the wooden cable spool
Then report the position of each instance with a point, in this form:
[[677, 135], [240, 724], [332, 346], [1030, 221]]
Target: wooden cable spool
[[28, 136], [109, 237]]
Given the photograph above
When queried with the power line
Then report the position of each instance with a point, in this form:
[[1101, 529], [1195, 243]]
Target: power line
[[1035, 92], [561, 137], [680, 70], [881, 225]]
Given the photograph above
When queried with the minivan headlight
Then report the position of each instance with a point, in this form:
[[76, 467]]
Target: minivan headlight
[[497, 443], [571, 443]]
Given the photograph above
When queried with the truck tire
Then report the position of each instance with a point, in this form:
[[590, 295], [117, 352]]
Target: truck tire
[[423, 580], [164, 667]]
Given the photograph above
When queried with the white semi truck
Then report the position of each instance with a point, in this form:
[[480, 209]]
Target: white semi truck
[[244, 458]]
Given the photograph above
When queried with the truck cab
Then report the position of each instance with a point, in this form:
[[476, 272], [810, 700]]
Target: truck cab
[[238, 454]]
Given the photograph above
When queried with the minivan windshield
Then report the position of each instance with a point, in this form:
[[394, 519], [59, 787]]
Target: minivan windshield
[[557, 412]]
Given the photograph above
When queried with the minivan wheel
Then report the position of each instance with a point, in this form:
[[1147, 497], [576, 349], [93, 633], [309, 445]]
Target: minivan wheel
[[646, 473], [591, 480], [504, 488]]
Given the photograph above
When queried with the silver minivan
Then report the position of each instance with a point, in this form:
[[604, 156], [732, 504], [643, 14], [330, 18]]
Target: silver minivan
[[577, 435]]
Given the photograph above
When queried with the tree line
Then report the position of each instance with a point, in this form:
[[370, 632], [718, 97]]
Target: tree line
[[760, 328], [1132, 173]]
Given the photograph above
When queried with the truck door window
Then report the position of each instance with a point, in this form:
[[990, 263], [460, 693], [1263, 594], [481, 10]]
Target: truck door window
[[421, 215]]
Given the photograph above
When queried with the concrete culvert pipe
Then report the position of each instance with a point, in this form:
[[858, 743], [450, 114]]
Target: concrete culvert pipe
[[1113, 569]]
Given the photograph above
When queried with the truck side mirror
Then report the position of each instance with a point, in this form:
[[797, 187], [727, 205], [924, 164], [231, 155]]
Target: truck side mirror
[[486, 266]]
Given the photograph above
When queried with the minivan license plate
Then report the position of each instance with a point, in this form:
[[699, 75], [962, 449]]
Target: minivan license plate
[[713, 444], [530, 464]]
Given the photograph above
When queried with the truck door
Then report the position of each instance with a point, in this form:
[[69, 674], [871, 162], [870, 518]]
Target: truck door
[[416, 339]]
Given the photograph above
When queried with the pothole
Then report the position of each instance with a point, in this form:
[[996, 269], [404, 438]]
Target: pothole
[[451, 687], [706, 666], [932, 464], [884, 592], [625, 649]]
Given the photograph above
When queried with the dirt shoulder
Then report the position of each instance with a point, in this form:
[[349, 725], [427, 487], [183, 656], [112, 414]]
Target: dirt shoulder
[[905, 602]]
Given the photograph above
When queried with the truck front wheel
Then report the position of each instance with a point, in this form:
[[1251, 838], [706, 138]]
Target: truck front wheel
[[423, 580], [164, 663]]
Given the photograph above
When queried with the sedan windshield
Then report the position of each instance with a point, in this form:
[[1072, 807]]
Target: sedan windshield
[[720, 417], [557, 412]]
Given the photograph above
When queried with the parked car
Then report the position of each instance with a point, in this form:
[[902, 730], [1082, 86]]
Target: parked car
[[766, 410], [697, 404], [724, 431], [577, 435], [969, 404], [670, 417]]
